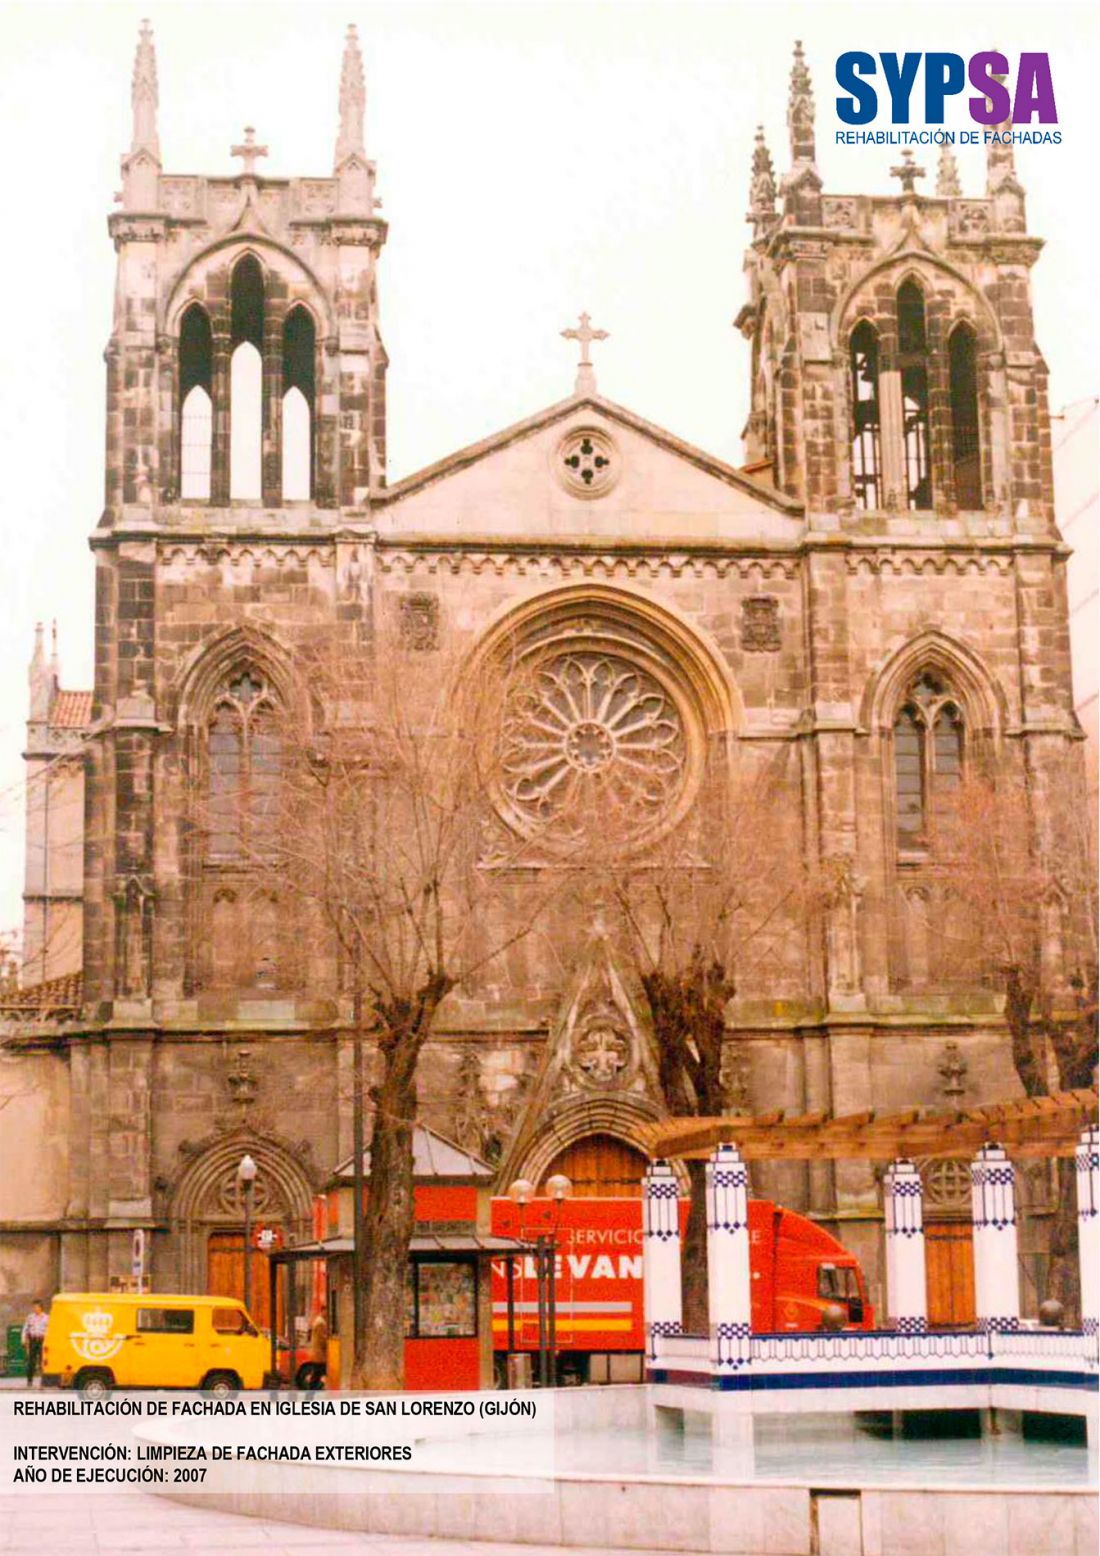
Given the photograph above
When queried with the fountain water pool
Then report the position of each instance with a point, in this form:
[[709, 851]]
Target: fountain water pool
[[625, 1471]]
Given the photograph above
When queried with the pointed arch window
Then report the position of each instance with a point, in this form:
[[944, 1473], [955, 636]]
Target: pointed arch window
[[965, 447], [196, 377], [866, 419], [299, 344], [244, 766], [913, 364], [246, 340], [928, 760]]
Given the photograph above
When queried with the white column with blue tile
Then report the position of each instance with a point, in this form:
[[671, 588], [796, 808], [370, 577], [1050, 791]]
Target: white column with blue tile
[[906, 1285], [996, 1259], [663, 1304], [729, 1277]]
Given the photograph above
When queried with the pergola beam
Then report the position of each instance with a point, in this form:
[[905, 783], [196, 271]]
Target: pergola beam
[[1026, 1127]]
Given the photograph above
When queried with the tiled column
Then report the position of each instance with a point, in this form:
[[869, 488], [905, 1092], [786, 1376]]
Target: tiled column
[[1088, 1232], [661, 1255], [906, 1290], [993, 1211], [729, 1279]]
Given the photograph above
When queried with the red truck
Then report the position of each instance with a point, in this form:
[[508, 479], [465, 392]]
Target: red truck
[[798, 1269]]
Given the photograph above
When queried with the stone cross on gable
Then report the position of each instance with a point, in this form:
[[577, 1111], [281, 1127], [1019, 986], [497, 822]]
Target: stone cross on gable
[[248, 151], [907, 172], [585, 334]]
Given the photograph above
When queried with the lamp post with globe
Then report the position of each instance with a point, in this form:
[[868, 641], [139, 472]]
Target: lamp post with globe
[[246, 1177], [522, 1191]]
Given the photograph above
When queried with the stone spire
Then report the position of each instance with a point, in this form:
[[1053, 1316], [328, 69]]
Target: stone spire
[[1000, 159], [353, 103], [762, 186], [1001, 184], [144, 97], [40, 680], [947, 174], [802, 185], [800, 109]]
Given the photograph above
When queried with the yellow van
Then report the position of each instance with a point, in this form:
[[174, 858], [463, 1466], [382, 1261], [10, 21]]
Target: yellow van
[[99, 1341]]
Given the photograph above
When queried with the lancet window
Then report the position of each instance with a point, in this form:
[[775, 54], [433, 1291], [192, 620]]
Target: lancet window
[[895, 455], [196, 367], [928, 760], [866, 480], [965, 446], [246, 380], [244, 760], [299, 341], [247, 402], [244, 939], [913, 363]]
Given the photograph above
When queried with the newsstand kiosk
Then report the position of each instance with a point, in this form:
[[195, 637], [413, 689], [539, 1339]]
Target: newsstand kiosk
[[448, 1313]]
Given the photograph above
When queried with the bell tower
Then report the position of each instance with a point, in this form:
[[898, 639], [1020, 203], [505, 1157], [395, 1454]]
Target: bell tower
[[246, 416], [208, 264], [895, 369]]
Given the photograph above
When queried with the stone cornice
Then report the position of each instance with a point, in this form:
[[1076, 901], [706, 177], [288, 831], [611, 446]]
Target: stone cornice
[[355, 526], [799, 1022]]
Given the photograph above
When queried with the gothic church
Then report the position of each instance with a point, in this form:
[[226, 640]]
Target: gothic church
[[878, 587]]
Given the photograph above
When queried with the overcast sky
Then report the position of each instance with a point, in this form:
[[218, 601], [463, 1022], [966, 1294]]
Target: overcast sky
[[533, 160]]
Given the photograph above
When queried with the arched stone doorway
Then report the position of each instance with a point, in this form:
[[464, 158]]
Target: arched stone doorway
[[600, 1166], [207, 1216]]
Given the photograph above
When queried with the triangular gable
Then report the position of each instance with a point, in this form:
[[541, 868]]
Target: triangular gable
[[515, 483]]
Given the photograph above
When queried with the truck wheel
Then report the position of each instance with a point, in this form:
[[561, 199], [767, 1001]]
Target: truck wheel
[[221, 1383], [94, 1380]]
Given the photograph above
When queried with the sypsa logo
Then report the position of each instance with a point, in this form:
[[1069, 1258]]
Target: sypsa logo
[[946, 75]]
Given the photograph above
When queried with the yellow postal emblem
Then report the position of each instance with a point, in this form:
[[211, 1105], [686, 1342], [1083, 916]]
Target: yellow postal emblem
[[95, 1342]]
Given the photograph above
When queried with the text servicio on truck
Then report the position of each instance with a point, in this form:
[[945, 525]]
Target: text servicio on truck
[[97, 1341], [798, 1270]]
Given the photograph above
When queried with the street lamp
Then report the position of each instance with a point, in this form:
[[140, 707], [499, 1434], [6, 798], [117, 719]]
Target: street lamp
[[246, 1177], [522, 1191], [559, 1188]]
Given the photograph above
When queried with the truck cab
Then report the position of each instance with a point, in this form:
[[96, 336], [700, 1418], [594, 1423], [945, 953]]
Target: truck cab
[[798, 1271]]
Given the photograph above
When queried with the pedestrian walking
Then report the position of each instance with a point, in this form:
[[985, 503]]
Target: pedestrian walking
[[311, 1374], [34, 1332]]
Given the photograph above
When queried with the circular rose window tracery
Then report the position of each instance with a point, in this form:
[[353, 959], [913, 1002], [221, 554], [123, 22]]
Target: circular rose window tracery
[[590, 735]]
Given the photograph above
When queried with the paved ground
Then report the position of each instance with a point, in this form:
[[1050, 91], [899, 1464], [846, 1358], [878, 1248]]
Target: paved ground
[[134, 1524]]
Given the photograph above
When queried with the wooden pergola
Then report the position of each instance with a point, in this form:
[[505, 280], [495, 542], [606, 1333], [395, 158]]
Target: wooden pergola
[[1025, 1127]]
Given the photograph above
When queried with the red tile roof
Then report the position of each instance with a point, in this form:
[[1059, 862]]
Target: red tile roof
[[71, 710], [42, 1001]]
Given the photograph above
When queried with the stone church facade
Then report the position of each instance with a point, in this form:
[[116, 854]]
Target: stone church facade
[[880, 590]]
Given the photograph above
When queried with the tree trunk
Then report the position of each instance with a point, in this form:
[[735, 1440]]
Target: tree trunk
[[390, 1218], [1064, 1275], [696, 1317], [1074, 1047]]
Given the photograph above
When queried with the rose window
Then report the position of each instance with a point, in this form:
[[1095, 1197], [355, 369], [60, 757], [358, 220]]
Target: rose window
[[591, 735]]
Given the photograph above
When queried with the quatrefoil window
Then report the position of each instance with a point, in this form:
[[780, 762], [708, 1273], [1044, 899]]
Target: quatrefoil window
[[588, 463]]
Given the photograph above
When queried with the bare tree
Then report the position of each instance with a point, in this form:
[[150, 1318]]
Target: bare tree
[[721, 905], [372, 837], [1021, 915]]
